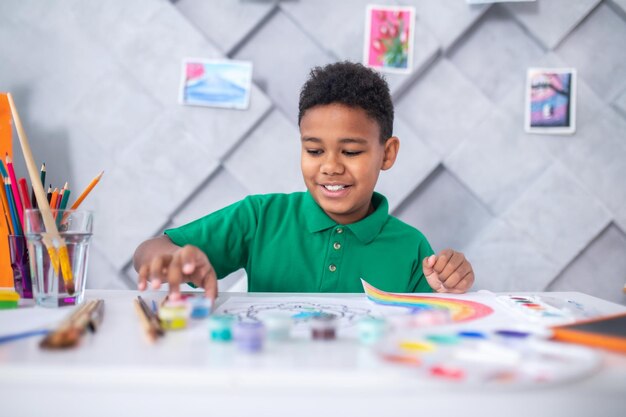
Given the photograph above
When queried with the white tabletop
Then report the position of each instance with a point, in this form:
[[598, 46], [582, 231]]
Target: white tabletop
[[118, 371]]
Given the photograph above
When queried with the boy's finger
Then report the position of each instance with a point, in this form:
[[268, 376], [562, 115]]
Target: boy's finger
[[158, 268], [432, 277], [428, 263], [442, 259], [455, 260], [142, 279], [175, 275], [210, 284], [188, 255], [457, 276]]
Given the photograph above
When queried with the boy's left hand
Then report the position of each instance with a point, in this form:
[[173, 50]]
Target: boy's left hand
[[448, 272]]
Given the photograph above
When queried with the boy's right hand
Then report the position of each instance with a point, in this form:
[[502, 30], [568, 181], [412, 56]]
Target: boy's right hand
[[187, 264]]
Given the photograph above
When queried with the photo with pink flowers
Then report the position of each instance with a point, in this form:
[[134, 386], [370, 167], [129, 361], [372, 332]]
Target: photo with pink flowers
[[389, 38], [551, 100]]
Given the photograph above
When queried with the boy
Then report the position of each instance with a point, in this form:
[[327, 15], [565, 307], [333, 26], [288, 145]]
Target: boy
[[325, 239]]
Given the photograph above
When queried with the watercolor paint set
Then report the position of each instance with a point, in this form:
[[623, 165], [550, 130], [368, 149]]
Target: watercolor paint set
[[494, 358], [543, 309]]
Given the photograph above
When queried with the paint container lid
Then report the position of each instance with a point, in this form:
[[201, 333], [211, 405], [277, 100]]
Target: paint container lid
[[277, 326], [200, 307], [371, 330], [220, 327], [249, 335], [174, 310], [324, 321]]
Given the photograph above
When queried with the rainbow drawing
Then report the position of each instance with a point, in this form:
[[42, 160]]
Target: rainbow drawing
[[460, 310]]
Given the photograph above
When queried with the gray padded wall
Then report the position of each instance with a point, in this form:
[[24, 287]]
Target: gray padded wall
[[97, 86]]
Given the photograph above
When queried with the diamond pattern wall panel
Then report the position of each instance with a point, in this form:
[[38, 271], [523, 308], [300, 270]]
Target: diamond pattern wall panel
[[442, 95], [97, 86], [224, 22], [503, 161], [541, 17], [596, 49], [494, 53], [599, 270], [445, 211]]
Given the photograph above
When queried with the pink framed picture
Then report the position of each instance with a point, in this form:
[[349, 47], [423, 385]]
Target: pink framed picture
[[389, 38]]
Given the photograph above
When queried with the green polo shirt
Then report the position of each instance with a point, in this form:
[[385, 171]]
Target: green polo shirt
[[286, 243]]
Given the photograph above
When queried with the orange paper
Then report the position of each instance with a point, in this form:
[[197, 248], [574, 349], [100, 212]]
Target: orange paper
[[6, 141]]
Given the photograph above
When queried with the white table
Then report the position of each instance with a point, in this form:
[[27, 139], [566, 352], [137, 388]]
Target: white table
[[116, 372]]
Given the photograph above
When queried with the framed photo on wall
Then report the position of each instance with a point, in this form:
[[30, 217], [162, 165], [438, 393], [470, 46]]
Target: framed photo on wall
[[550, 101], [216, 83], [389, 38]]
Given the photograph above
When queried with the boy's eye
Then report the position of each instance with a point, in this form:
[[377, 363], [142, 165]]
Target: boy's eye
[[352, 153], [314, 152]]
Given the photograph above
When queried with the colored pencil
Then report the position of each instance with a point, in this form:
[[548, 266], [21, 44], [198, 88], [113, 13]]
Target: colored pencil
[[16, 193], [63, 204], [3, 169], [55, 244], [16, 224], [87, 190], [23, 186], [6, 210], [64, 200], [18, 336], [42, 175], [49, 194], [53, 200]]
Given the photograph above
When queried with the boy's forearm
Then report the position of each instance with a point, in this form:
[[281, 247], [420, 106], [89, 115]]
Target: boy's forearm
[[161, 245]]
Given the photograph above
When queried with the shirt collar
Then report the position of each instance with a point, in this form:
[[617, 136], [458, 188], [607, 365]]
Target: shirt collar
[[365, 229]]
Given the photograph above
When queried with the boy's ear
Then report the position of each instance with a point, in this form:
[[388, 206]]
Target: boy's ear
[[392, 146]]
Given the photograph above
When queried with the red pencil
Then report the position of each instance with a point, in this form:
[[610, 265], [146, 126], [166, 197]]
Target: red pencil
[[24, 191], [16, 194]]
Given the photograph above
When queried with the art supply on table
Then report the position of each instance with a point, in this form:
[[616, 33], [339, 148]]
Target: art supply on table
[[249, 336], [23, 335], [53, 241], [324, 327], [50, 288], [87, 316], [371, 330], [277, 326], [460, 310], [9, 299], [536, 309], [220, 327], [608, 332], [174, 315], [200, 307], [476, 357], [149, 320]]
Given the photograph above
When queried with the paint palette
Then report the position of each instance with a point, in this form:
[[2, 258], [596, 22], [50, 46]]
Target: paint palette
[[535, 308], [497, 358]]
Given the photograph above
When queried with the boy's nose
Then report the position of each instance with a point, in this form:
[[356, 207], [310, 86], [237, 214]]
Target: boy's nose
[[332, 166]]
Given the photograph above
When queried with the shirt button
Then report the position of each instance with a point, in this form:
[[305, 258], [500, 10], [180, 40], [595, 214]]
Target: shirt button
[[339, 230], [332, 268], [337, 245]]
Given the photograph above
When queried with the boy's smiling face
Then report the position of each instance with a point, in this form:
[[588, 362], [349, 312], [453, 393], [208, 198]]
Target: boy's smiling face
[[341, 158]]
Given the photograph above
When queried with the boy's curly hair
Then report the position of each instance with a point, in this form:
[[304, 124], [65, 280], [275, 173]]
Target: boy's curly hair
[[353, 85]]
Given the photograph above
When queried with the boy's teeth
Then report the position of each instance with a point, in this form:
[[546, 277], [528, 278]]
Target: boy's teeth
[[334, 187]]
